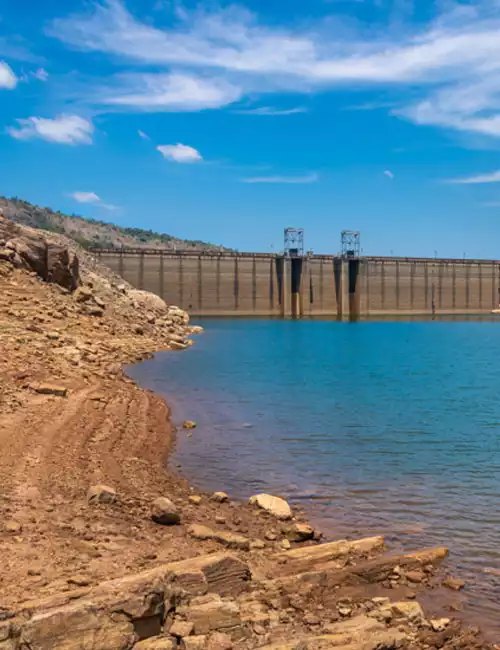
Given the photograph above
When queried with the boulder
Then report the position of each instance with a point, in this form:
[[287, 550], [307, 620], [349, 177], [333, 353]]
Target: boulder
[[231, 540], [195, 499], [216, 614], [189, 424], [439, 624], [181, 629], [100, 494], [165, 512], [410, 610], [274, 505], [83, 294], [220, 573], [63, 267], [299, 532], [147, 301], [65, 628], [219, 497]]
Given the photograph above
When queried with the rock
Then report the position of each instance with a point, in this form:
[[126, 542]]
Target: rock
[[83, 294], [174, 345], [257, 545], [13, 527], [196, 329], [381, 600], [95, 311], [220, 641], [147, 301], [415, 576], [270, 535], [285, 545], [181, 629], [101, 494], [164, 512], [274, 505], [306, 558], [439, 624], [227, 538], [195, 642], [453, 583], [300, 532], [189, 424], [49, 389], [195, 499], [211, 616], [220, 520], [311, 619], [409, 610], [156, 643], [62, 267], [219, 497], [344, 610]]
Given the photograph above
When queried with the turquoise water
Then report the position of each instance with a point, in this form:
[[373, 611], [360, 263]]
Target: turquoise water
[[387, 427]]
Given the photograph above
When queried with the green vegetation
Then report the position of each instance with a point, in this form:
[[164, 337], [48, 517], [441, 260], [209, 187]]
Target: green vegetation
[[93, 233]]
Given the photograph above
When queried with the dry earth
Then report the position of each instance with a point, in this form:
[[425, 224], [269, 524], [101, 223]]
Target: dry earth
[[95, 570]]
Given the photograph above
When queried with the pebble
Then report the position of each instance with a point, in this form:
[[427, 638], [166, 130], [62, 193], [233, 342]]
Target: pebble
[[453, 583]]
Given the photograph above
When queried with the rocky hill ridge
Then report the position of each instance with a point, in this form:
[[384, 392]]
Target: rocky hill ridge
[[91, 233]]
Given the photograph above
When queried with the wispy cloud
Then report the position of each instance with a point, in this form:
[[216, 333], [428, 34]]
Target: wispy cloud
[[8, 79], [41, 74], [180, 153], [493, 177], [491, 204], [389, 174], [269, 110], [92, 198], [143, 135], [63, 129], [291, 180], [212, 59]]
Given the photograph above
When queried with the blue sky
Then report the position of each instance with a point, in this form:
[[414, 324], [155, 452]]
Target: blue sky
[[229, 121]]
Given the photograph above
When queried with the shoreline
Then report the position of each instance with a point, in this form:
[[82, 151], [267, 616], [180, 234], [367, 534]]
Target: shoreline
[[88, 565]]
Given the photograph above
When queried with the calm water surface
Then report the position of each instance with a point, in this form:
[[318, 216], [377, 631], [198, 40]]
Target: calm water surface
[[387, 427]]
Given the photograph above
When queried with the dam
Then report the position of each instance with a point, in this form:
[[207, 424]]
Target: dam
[[301, 286]]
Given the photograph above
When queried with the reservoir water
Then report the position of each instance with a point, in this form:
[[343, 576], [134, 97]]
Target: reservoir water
[[373, 427]]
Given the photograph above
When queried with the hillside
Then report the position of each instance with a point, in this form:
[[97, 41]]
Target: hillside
[[91, 233]]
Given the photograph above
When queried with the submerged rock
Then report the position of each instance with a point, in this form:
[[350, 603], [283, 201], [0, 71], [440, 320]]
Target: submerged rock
[[189, 424]]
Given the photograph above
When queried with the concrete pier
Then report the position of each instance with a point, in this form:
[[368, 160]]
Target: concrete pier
[[258, 284]]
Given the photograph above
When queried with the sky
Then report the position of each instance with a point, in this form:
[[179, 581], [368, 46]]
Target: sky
[[229, 121]]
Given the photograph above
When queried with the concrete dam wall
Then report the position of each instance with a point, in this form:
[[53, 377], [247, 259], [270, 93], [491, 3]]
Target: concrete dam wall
[[248, 284]]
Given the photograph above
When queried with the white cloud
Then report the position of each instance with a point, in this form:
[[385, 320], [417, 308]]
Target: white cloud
[[63, 129], [491, 204], [143, 135], [389, 174], [41, 74], [85, 197], [180, 153], [93, 199], [8, 79], [493, 177], [169, 92], [269, 110], [288, 180], [211, 59]]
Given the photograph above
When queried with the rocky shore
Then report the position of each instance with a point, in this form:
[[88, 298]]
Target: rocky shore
[[102, 549]]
